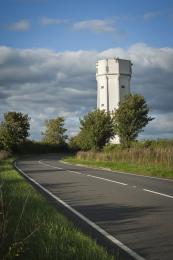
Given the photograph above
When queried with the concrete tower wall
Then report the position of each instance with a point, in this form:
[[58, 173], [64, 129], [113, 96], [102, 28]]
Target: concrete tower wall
[[113, 83]]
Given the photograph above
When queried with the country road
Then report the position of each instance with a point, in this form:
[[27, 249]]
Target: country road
[[135, 210]]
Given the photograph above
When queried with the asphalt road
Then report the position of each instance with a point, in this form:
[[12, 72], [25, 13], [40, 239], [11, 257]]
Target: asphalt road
[[136, 210]]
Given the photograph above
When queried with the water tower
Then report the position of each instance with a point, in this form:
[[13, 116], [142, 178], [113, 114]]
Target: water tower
[[113, 83]]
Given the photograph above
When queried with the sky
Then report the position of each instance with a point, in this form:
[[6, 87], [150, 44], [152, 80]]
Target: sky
[[48, 51]]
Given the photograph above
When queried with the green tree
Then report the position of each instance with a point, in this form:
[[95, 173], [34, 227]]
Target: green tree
[[14, 130], [55, 131], [74, 143], [130, 118], [96, 130]]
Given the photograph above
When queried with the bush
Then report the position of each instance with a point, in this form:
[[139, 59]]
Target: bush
[[96, 129], [41, 147], [158, 152]]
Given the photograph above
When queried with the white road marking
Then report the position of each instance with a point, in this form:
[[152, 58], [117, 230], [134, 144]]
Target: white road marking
[[88, 221], [46, 164], [75, 172], [104, 179], [108, 180], [79, 173], [158, 193]]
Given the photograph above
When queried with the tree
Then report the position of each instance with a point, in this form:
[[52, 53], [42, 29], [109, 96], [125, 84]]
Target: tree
[[74, 143], [14, 130], [130, 118], [55, 131], [96, 130]]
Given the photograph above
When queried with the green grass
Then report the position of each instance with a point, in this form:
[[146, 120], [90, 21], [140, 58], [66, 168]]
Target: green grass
[[143, 169], [31, 228]]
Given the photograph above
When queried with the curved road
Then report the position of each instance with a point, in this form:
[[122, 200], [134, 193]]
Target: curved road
[[135, 210]]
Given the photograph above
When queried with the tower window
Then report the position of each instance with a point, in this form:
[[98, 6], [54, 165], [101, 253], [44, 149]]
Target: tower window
[[122, 86], [102, 86], [102, 105]]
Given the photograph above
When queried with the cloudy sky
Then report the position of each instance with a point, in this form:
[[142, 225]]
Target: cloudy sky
[[48, 50]]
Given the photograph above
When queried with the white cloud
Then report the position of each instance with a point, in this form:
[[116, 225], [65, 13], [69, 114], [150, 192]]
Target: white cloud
[[47, 84], [151, 15], [97, 26], [45, 21], [20, 26], [161, 126]]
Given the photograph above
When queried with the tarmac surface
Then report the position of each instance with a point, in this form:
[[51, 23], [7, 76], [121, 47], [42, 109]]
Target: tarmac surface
[[135, 210]]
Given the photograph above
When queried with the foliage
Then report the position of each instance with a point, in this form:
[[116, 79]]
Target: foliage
[[142, 144], [130, 118], [96, 130], [55, 131], [150, 157], [4, 155], [14, 130], [37, 147], [74, 143]]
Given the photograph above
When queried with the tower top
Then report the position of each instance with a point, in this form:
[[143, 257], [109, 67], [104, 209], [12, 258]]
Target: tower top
[[113, 66]]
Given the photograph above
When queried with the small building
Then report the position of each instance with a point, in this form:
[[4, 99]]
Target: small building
[[113, 84]]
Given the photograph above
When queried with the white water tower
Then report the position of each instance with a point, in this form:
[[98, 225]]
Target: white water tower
[[113, 84]]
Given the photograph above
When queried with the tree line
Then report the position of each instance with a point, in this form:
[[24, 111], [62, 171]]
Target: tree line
[[96, 127]]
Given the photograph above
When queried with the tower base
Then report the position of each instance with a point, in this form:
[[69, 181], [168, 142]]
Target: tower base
[[115, 140]]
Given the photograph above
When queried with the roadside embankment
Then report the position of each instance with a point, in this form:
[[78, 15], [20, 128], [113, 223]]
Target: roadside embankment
[[31, 228], [152, 161]]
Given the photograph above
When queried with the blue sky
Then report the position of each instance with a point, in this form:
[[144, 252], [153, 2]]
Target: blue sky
[[48, 51], [134, 21]]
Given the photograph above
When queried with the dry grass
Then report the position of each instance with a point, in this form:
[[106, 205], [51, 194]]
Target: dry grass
[[151, 161], [4, 155], [154, 154]]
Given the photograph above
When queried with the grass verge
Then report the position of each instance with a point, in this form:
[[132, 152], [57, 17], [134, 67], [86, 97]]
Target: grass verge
[[31, 228], [142, 169]]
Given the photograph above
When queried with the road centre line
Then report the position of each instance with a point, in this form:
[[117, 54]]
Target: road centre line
[[158, 193], [76, 172], [46, 164], [121, 183], [79, 173], [108, 180], [85, 219]]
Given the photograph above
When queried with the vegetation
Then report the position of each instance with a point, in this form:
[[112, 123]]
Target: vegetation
[[55, 131], [74, 143], [130, 118], [37, 147], [96, 129], [153, 158], [31, 228], [14, 130], [4, 155]]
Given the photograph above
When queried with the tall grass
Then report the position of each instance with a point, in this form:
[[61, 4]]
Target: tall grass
[[153, 158], [160, 153], [31, 228], [4, 154]]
